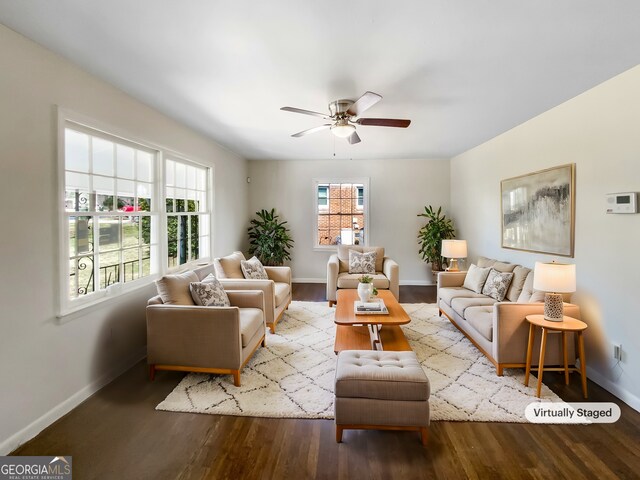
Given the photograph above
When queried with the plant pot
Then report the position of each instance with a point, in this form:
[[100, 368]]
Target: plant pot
[[365, 290]]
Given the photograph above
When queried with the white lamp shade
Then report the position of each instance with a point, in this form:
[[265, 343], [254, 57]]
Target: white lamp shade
[[554, 277], [454, 249]]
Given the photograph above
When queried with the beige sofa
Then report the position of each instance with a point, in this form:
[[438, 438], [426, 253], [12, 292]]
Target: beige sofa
[[205, 339], [387, 276], [277, 290], [499, 329]]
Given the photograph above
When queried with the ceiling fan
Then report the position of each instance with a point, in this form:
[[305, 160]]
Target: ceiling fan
[[342, 115]]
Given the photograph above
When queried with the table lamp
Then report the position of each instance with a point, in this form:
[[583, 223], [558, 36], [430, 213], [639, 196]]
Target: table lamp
[[554, 279], [453, 250]]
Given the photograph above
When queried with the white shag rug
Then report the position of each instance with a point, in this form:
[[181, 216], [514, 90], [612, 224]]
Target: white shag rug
[[293, 376]]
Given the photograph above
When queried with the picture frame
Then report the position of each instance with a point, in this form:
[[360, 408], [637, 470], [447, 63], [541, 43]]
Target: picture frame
[[538, 211]]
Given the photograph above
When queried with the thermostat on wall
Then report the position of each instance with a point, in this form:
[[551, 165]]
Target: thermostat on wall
[[622, 202]]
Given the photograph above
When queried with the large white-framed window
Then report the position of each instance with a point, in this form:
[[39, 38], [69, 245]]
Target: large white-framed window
[[341, 210], [187, 209], [130, 211]]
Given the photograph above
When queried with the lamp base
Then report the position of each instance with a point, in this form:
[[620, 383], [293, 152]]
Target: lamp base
[[453, 265], [553, 307]]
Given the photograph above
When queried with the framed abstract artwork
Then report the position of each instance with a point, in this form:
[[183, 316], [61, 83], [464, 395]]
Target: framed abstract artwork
[[538, 211]]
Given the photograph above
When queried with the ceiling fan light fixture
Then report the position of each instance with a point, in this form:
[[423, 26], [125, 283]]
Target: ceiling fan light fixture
[[342, 130]]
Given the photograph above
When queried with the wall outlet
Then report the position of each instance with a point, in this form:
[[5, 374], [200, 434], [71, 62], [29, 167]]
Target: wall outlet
[[617, 351]]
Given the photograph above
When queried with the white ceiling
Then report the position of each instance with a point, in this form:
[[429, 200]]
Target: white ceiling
[[463, 71]]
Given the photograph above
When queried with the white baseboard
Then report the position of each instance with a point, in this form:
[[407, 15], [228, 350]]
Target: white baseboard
[[613, 388], [324, 280], [64, 407]]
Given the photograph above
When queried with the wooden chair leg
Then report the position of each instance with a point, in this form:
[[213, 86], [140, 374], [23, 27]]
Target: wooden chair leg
[[236, 378], [152, 372], [424, 435], [499, 370], [331, 303], [264, 341], [338, 434]]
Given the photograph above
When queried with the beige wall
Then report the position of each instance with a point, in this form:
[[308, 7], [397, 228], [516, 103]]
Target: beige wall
[[598, 131], [399, 190], [47, 365]]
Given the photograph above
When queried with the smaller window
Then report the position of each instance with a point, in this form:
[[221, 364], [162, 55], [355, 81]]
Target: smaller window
[[360, 197], [323, 196]]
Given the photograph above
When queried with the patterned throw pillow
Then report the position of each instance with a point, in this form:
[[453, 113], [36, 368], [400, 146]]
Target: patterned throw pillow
[[209, 293], [497, 284], [253, 269], [362, 262]]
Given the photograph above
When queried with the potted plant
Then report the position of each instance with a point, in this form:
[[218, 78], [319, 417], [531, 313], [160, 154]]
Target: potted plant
[[365, 288], [430, 236], [269, 238]]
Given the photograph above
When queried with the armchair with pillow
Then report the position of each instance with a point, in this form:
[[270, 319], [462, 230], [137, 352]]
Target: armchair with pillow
[[276, 286], [343, 273], [194, 325]]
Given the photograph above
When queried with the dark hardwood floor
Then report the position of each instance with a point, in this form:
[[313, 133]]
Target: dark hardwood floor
[[117, 434]]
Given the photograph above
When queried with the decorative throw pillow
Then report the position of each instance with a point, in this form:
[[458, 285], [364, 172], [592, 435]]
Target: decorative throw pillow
[[497, 284], [174, 289], [209, 293], [362, 262], [475, 278], [253, 269]]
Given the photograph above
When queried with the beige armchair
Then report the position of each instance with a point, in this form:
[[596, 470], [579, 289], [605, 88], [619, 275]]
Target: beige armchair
[[387, 276], [277, 290], [205, 339]]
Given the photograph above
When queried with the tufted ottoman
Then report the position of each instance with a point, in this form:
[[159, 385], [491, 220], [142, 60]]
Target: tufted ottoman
[[381, 390]]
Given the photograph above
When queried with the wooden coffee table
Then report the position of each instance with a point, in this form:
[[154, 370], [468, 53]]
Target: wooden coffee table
[[369, 332]]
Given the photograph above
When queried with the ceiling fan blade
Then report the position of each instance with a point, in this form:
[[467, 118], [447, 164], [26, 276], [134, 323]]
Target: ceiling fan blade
[[368, 100], [353, 138], [312, 130], [384, 122], [305, 112]]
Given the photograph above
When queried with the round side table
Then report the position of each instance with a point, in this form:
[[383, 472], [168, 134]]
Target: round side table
[[568, 324]]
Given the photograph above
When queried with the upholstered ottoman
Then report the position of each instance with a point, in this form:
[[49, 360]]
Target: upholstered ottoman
[[380, 390]]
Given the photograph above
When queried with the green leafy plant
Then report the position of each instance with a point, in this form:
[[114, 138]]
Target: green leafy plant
[[269, 238], [366, 279], [374, 292], [430, 236]]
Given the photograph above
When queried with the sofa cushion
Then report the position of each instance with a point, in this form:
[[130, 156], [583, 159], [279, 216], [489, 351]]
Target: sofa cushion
[[484, 262], [362, 262], [461, 304], [282, 292], [253, 269], [174, 289], [497, 284], [351, 280], [481, 319], [476, 276], [251, 321], [343, 255], [449, 293], [209, 293], [230, 265], [517, 282], [504, 267], [527, 289]]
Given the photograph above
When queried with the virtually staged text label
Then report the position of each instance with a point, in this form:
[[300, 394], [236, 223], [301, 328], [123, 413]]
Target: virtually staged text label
[[580, 412]]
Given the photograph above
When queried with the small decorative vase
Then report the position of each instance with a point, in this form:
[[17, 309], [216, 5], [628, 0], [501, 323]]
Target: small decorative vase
[[365, 290]]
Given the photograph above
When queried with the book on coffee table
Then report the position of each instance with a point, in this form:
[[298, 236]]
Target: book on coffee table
[[376, 307]]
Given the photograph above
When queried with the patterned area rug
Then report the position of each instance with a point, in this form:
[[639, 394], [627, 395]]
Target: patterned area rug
[[293, 376]]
